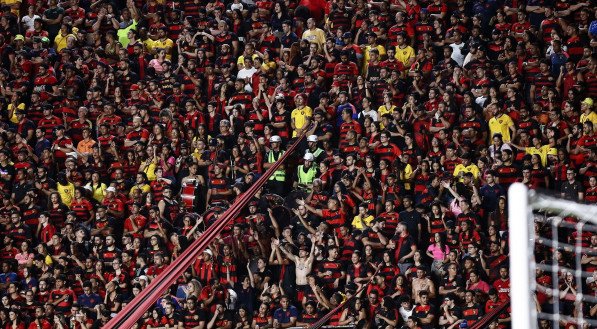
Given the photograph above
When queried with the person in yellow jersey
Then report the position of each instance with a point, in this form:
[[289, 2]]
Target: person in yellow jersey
[[588, 114], [363, 219], [140, 184], [164, 42], [300, 116], [404, 53], [537, 148], [387, 106], [372, 44], [65, 188], [313, 34], [61, 39], [501, 123], [466, 166]]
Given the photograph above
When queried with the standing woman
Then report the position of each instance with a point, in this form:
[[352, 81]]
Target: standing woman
[[279, 16], [438, 252]]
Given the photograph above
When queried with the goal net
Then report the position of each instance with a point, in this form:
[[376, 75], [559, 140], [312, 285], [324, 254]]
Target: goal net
[[553, 261]]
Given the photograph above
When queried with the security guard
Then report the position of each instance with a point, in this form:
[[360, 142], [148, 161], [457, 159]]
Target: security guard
[[313, 148], [278, 178], [306, 173]]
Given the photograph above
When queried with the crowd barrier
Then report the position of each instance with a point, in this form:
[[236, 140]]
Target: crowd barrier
[[133, 311]]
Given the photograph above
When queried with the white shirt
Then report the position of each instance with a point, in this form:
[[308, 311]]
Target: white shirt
[[457, 53], [246, 73], [406, 314], [28, 21], [372, 114]]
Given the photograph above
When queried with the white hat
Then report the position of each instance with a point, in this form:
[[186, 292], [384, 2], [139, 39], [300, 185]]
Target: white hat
[[275, 139], [88, 187], [143, 277], [111, 189], [312, 138], [308, 157], [207, 251]]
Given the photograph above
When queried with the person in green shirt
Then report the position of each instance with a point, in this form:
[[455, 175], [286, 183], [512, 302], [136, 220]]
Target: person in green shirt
[[130, 18]]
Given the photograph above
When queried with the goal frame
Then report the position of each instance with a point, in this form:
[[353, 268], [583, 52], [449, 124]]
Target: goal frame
[[522, 275]]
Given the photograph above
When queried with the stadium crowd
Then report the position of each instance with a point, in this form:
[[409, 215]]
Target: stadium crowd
[[128, 127]]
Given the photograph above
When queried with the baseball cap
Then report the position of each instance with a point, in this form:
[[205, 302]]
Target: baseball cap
[[588, 101], [312, 138]]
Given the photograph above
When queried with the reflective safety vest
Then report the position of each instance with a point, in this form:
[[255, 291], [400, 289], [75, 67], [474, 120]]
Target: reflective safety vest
[[278, 175], [317, 153], [306, 178]]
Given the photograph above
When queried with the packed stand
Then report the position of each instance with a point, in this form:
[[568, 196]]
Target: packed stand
[[129, 127]]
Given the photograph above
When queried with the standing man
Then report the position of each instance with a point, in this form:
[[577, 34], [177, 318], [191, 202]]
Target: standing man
[[278, 179]]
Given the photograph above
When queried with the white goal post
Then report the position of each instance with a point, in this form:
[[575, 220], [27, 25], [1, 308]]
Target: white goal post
[[522, 276], [526, 209]]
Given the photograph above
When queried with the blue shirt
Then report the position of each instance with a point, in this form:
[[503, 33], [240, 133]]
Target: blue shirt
[[8, 277], [490, 196], [340, 108], [283, 316], [29, 285], [89, 301]]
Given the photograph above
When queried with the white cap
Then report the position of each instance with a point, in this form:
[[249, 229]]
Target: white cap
[[143, 277], [312, 138], [111, 189], [308, 157], [88, 187], [207, 251], [275, 139]]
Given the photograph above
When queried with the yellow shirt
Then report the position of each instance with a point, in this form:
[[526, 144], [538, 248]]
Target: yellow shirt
[[60, 41], [404, 54], [383, 110], [472, 168], [314, 36], [20, 107], [148, 43], [542, 151], [299, 116], [67, 193], [406, 175], [98, 192], [367, 57], [501, 125], [592, 116], [149, 171], [241, 59], [168, 43], [358, 223], [144, 189]]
